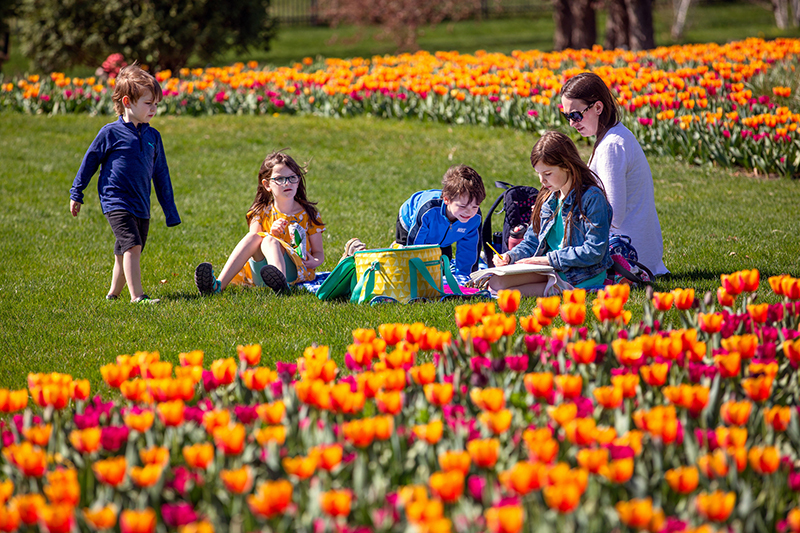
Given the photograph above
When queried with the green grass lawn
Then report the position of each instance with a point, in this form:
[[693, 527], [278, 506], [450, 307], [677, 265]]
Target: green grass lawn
[[707, 23], [56, 269]]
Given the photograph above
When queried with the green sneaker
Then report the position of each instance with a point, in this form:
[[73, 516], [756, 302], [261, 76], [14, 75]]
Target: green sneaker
[[145, 299]]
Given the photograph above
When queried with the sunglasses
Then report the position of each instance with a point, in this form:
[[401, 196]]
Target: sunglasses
[[577, 116], [283, 180]]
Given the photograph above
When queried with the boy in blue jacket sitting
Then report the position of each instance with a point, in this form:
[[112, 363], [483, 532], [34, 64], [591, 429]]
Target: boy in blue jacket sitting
[[447, 216], [130, 156]]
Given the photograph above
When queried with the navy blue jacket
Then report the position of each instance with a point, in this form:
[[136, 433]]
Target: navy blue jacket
[[130, 158], [424, 215]]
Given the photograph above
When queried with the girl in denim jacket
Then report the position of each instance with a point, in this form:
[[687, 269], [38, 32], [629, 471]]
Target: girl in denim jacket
[[570, 222]]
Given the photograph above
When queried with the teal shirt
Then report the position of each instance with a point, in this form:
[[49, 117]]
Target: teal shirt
[[555, 240]]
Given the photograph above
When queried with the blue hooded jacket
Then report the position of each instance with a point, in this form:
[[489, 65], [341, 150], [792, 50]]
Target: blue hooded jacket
[[424, 215], [130, 158]]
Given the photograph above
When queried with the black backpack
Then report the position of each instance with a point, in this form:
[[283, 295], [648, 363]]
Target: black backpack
[[517, 202]]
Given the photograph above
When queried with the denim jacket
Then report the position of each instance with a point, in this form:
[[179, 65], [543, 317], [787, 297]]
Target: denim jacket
[[586, 254]]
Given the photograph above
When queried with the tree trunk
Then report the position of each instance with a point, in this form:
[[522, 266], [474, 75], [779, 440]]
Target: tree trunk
[[640, 18], [781, 10], [796, 13], [584, 26], [617, 29], [680, 18], [562, 16]]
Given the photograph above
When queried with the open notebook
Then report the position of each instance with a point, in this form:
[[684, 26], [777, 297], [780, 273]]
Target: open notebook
[[528, 274]]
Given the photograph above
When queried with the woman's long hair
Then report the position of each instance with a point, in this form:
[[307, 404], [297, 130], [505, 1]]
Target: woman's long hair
[[264, 196], [557, 150], [591, 88]]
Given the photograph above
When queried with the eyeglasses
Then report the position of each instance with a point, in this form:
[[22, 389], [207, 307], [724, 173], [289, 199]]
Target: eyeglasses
[[577, 116], [283, 180]]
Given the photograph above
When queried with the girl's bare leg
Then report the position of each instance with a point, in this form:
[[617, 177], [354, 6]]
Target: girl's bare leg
[[526, 284], [273, 251], [249, 246], [117, 276]]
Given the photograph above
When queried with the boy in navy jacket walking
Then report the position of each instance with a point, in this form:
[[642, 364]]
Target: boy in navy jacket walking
[[131, 156], [447, 216]]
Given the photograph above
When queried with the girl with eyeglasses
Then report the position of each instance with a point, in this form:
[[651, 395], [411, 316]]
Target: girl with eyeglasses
[[284, 243], [619, 162]]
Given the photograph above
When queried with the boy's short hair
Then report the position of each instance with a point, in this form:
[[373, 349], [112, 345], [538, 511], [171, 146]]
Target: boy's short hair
[[132, 82], [460, 180]]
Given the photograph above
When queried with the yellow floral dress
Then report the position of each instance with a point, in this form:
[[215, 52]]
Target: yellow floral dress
[[267, 218]]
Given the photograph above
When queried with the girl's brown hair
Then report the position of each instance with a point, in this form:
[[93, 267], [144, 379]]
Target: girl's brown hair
[[557, 150], [590, 88], [264, 196]]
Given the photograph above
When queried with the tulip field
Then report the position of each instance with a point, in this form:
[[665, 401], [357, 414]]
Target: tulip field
[[733, 105], [507, 423]]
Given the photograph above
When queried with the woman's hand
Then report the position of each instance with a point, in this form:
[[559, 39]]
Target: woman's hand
[[278, 227], [500, 260], [542, 260]]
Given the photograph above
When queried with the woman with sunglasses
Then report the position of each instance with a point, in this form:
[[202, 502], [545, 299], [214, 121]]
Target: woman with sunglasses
[[284, 243], [619, 162]]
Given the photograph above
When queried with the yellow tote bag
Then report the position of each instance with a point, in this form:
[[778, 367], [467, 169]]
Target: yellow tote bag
[[402, 274]]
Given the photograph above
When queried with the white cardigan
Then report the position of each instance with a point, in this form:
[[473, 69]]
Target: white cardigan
[[621, 165]]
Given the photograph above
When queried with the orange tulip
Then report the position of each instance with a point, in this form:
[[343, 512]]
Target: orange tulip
[[171, 413], [569, 386], [583, 352], [431, 432], [439, 393], [460, 461], [9, 518], [300, 467], [257, 378], [193, 358], [729, 364], [155, 455], [224, 370], [424, 511], [271, 413], [146, 476], [544, 451], [732, 283], [29, 459], [491, 399], [716, 506], [573, 314], [736, 413], [734, 436], [110, 471], [581, 431], [710, 322], [563, 498], [764, 459], [329, 456], [725, 299], [629, 353], [102, 518], [250, 354], [655, 374], [662, 301], [6, 490], [498, 422], [80, 389], [271, 498], [684, 298], [626, 382], [563, 413], [683, 480], [484, 452], [758, 389], [530, 324], [608, 397], [344, 401], [523, 477], [137, 521], [198, 455], [778, 417], [714, 465], [392, 333], [791, 349], [62, 487], [505, 519], [12, 401], [114, 375], [423, 374], [230, 439], [575, 296], [447, 486], [793, 520], [549, 306], [237, 481], [540, 384], [215, 419], [140, 422], [38, 435], [750, 280], [636, 513], [508, 300], [619, 470], [592, 459], [389, 402], [336, 502], [276, 434]]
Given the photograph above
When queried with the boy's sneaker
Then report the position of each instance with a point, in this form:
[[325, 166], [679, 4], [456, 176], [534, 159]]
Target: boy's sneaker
[[145, 299], [112, 297], [205, 280], [274, 279]]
